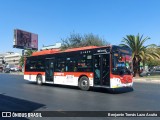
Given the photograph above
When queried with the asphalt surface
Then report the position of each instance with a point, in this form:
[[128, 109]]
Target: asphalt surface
[[16, 94]]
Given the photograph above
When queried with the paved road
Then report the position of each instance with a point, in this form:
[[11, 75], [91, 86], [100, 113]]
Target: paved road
[[17, 94]]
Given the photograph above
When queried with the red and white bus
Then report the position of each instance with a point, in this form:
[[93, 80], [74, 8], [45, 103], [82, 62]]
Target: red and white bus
[[85, 67]]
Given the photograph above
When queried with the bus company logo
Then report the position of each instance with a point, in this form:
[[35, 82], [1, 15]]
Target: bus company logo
[[59, 74], [20, 114], [6, 114]]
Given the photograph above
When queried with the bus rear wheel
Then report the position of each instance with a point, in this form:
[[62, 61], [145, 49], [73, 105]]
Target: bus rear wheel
[[84, 83], [39, 79]]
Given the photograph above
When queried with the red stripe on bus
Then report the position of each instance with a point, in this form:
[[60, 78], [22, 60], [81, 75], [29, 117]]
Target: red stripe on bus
[[34, 73], [75, 74]]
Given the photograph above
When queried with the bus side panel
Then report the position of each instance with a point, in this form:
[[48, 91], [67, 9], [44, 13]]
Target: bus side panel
[[71, 78], [66, 80], [32, 76]]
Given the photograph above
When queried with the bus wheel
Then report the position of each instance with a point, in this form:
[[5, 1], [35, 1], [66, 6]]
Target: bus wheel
[[39, 80], [84, 83]]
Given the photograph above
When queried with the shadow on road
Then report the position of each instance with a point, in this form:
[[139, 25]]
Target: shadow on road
[[11, 104], [113, 91], [101, 90]]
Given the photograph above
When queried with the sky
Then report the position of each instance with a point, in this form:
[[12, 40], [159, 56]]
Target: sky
[[54, 20]]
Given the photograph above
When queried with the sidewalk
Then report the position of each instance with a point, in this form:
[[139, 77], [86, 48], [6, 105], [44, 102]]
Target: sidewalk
[[16, 73], [147, 80]]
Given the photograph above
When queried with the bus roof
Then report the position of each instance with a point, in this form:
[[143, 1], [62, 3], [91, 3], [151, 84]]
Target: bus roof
[[54, 51]]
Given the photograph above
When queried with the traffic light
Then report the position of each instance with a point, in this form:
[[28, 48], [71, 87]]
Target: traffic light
[[3, 62]]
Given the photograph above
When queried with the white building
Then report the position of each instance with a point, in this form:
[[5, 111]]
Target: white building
[[10, 58], [2, 58], [57, 45]]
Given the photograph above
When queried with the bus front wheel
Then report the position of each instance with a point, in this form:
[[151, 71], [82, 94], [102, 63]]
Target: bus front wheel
[[84, 83], [39, 80]]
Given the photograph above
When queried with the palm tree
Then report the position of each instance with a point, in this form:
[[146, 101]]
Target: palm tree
[[136, 44], [27, 54]]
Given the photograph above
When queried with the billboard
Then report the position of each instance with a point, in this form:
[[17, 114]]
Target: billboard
[[25, 40]]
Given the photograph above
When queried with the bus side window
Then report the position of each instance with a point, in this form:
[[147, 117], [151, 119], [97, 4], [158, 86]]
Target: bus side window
[[85, 65], [60, 65], [71, 65]]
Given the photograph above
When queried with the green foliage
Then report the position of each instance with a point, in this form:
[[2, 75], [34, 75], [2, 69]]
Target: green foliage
[[136, 44], [77, 40], [156, 60], [21, 61], [73, 41], [152, 63], [27, 54], [140, 53]]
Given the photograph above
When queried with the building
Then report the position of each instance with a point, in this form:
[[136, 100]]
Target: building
[[57, 45], [10, 58], [2, 58]]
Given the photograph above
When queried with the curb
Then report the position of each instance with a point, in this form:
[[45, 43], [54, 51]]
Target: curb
[[148, 80]]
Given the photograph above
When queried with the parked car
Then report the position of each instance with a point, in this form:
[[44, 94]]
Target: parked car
[[7, 70], [150, 73], [1, 69], [144, 73], [16, 69]]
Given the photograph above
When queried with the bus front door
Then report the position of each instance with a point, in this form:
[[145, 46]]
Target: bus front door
[[102, 69], [49, 70]]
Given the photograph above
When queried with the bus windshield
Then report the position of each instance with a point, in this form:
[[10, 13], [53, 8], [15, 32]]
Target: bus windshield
[[121, 63]]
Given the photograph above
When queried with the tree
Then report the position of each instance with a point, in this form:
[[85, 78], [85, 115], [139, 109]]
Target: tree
[[21, 61], [73, 41], [136, 44], [95, 40], [155, 61], [149, 54], [77, 40], [27, 54]]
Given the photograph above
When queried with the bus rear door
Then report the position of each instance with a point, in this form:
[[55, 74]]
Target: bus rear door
[[49, 70]]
